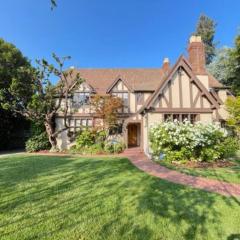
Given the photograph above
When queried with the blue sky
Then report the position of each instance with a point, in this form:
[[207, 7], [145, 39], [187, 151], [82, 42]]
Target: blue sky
[[111, 33]]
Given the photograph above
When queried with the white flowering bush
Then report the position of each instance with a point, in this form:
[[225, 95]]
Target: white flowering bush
[[178, 141]]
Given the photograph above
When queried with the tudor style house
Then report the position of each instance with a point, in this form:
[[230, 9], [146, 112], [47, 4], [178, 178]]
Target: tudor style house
[[150, 95]]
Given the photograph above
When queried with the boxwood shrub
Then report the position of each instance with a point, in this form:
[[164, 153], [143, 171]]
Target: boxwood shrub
[[37, 143]]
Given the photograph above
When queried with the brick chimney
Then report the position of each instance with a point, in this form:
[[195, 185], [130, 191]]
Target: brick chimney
[[196, 51], [166, 65]]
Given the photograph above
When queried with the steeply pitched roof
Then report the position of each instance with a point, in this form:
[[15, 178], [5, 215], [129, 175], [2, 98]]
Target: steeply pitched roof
[[213, 82], [183, 62], [138, 79]]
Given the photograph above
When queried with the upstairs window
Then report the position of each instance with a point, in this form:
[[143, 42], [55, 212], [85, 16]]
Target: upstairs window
[[181, 117], [140, 98], [81, 98], [125, 99]]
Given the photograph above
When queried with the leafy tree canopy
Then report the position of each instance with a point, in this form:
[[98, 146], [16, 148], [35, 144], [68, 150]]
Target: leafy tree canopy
[[16, 77], [225, 66], [107, 107], [29, 91], [53, 4], [222, 65], [235, 80], [206, 29], [233, 107]]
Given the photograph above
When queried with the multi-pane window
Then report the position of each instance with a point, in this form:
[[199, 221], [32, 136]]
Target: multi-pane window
[[77, 124], [117, 129], [124, 97], [181, 117], [81, 98], [140, 98]]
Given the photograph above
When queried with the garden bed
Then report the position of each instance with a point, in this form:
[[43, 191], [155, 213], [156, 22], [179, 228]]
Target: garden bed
[[197, 164], [223, 170]]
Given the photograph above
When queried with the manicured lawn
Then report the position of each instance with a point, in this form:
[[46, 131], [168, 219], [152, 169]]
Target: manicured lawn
[[227, 174], [105, 198]]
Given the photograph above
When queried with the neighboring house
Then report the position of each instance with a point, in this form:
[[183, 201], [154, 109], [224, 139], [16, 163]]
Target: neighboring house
[[152, 95]]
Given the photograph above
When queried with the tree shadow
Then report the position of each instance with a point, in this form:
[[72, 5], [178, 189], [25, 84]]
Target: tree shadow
[[91, 198], [233, 237], [192, 207]]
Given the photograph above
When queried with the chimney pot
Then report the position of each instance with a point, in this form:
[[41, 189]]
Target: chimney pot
[[166, 65]]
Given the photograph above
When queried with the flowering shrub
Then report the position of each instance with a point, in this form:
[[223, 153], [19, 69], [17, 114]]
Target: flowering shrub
[[94, 141], [114, 147], [184, 141]]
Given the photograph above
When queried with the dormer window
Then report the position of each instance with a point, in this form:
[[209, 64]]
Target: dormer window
[[140, 98], [81, 98], [125, 99]]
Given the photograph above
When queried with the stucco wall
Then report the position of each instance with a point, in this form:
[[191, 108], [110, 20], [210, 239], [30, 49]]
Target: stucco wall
[[185, 90], [149, 120], [204, 80], [62, 138], [206, 117], [222, 111], [132, 102]]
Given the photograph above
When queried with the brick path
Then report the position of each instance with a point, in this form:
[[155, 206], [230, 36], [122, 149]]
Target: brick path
[[141, 161]]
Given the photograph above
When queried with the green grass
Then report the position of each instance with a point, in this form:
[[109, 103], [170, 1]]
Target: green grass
[[105, 198], [227, 174]]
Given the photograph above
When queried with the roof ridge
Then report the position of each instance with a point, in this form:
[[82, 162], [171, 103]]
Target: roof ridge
[[120, 68]]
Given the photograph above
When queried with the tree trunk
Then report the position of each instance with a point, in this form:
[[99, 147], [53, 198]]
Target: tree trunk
[[49, 125]]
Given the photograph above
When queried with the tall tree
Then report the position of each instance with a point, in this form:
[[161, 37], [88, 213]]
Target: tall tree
[[15, 73], [53, 4], [206, 29], [45, 100], [233, 108], [235, 80], [222, 65]]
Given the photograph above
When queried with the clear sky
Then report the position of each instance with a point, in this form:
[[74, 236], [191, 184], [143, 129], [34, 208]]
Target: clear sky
[[113, 33]]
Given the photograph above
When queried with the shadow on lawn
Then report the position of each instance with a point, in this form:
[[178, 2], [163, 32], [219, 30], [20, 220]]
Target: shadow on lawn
[[102, 199]]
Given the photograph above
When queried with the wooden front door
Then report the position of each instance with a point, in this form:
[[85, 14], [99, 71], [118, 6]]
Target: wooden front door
[[132, 135]]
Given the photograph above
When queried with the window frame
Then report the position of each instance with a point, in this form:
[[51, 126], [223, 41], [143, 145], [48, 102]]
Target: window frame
[[85, 101], [192, 117], [76, 127], [121, 94], [140, 98]]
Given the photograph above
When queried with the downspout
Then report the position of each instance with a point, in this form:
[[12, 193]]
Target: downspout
[[147, 142]]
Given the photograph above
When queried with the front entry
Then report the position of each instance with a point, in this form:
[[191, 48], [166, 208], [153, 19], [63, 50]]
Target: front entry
[[133, 135]]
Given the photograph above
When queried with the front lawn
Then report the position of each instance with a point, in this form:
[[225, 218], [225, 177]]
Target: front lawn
[[228, 174], [45, 197]]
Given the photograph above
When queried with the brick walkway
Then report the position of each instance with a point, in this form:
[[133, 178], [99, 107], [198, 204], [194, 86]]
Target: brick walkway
[[141, 161]]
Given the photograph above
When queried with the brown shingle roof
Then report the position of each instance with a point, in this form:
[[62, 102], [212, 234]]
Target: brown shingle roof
[[213, 82], [138, 79]]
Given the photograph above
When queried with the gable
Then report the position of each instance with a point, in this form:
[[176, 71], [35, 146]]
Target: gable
[[181, 89], [118, 86], [181, 92], [84, 87]]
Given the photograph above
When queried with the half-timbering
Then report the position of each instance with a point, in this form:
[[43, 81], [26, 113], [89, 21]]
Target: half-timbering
[[184, 91]]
